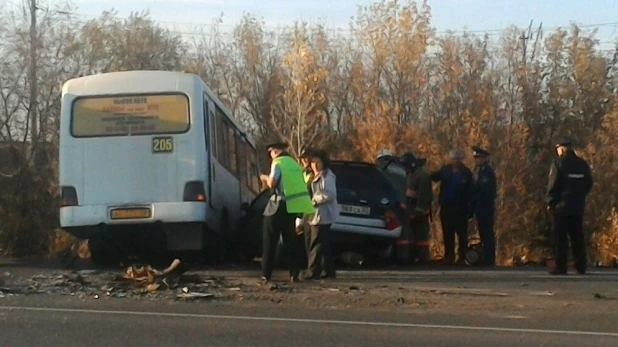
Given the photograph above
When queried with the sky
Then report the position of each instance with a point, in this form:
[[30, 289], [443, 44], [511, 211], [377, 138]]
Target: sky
[[456, 15]]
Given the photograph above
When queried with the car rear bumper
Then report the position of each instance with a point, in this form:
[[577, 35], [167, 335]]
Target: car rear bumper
[[367, 227], [164, 212]]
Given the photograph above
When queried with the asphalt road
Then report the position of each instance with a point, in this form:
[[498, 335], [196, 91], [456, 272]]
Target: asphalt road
[[57, 323], [574, 316]]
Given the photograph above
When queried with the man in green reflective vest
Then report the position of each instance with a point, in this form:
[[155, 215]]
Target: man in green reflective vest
[[290, 199]]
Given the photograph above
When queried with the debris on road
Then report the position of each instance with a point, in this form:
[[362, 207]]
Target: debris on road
[[543, 293], [149, 278], [188, 296], [601, 296]]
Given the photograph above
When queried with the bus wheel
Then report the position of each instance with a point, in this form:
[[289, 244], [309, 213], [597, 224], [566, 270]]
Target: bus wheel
[[222, 244]]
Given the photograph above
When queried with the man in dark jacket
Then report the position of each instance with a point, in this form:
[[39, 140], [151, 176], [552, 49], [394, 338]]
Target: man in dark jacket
[[484, 203], [456, 194], [570, 181]]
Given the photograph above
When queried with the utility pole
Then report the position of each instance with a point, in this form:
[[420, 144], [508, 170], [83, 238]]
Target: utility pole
[[524, 45], [34, 106]]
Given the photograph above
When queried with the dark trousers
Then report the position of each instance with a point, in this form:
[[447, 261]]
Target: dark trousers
[[307, 230], [454, 222], [569, 227], [281, 224], [420, 229], [320, 252], [485, 225]]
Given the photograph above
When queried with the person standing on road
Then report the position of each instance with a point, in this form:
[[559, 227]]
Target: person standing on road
[[456, 193], [302, 223], [289, 199], [419, 196], [570, 181], [324, 188], [484, 203]]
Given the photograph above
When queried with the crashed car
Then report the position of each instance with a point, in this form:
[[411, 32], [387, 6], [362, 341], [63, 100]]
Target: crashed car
[[369, 221]]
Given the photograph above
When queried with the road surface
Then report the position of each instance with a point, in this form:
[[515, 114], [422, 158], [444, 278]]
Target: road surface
[[360, 308], [53, 322]]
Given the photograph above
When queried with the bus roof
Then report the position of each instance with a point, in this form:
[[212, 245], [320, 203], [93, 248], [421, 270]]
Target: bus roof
[[145, 81]]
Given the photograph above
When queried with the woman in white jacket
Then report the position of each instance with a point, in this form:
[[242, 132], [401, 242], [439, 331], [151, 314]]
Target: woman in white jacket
[[321, 262]]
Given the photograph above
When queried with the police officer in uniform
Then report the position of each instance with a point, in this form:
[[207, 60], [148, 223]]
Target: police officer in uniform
[[289, 199], [570, 181], [484, 203], [456, 194], [419, 196]]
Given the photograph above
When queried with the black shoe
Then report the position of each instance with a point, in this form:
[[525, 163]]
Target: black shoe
[[557, 272], [264, 279], [294, 279], [580, 270]]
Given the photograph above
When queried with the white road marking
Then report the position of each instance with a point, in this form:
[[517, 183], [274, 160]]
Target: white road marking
[[303, 320]]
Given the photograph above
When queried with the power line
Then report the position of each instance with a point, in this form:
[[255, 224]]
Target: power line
[[464, 31], [488, 32]]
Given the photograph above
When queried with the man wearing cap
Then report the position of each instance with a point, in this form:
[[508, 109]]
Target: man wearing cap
[[484, 203], [289, 199], [419, 196], [456, 194], [570, 181]]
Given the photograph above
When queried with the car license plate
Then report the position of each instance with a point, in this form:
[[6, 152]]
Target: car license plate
[[130, 213], [360, 210]]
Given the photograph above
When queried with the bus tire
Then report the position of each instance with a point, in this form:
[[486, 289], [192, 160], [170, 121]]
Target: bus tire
[[220, 251]]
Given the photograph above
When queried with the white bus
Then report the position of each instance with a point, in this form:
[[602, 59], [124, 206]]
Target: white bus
[[151, 161]]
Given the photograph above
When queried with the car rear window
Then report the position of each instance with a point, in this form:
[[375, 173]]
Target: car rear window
[[365, 178]]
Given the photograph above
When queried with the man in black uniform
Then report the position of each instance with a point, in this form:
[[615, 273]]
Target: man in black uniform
[[570, 181], [419, 196], [484, 203], [456, 193]]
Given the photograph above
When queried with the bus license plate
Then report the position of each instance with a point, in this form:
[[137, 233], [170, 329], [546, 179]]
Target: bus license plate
[[359, 210], [130, 213]]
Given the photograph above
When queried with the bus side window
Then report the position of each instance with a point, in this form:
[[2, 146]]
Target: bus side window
[[222, 153], [242, 162], [248, 173], [231, 145], [254, 174], [206, 123]]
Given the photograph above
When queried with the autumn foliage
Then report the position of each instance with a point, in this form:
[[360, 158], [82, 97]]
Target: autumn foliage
[[389, 81]]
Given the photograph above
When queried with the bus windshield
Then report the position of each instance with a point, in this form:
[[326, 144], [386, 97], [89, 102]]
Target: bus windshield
[[124, 115]]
